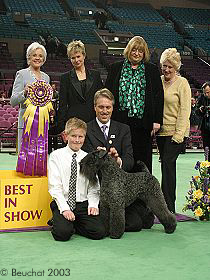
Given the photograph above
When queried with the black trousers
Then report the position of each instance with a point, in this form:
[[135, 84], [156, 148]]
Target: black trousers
[[138, 216], [142, 145], [206, 141], [169, 152], [86, 225]]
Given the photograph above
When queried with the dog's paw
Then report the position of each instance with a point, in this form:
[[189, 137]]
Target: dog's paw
[[169, 228], [115, 237]]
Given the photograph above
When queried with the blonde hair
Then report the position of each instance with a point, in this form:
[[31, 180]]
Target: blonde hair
[[32, 47], [104, 92], [76, 46], [75, 123], [172, 56], [139, 43]]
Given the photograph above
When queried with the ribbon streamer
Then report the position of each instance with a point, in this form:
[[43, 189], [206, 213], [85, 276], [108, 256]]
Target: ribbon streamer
[[32, 158]]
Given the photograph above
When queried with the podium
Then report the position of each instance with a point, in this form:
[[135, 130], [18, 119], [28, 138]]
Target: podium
[[24, 202]]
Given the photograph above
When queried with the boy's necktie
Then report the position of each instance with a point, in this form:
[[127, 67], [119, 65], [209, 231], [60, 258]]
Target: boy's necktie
[[72, 183]]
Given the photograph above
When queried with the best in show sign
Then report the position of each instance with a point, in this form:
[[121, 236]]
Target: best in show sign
[[24, 201]]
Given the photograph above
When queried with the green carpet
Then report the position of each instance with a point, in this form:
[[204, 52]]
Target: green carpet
[[149, 254]]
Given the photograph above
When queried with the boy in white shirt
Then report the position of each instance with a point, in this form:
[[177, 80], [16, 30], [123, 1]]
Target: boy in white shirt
[[75, 211]]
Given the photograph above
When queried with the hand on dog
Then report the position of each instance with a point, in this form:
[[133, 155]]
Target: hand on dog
[[93, 211], [114, 154], [101, 148], [69, 215]]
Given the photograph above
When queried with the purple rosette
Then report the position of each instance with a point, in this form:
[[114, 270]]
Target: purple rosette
[[40, 93]]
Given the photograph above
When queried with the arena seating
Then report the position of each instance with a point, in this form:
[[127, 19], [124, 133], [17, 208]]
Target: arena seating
[[80, 3], [9, 29], [194, 141], [8, 133], [195, 23], [66, 29], [196, 69], [138, 12], [34, 7], [6, 62], [198, 38], [166, 38], [188, 15]]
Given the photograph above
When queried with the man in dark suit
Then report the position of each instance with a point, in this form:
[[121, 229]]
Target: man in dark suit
[[116, 138]]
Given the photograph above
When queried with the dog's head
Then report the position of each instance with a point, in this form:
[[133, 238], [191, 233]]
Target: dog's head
[[91, 164]]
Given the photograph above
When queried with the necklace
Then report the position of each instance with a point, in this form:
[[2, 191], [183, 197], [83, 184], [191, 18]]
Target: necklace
[[81, 74], [36, 74]]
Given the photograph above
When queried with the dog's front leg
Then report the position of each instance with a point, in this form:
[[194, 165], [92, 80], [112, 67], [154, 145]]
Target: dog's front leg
[[105, 217], [117, 222]]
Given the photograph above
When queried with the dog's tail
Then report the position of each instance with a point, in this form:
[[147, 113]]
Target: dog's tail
[[141, 166]]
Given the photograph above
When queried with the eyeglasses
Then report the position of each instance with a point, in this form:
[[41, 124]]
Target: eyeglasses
[[136, 50]]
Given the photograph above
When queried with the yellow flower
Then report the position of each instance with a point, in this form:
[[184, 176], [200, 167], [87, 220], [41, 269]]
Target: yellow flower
[[196, 177], [205, 164], [197, 194], [198, 212]]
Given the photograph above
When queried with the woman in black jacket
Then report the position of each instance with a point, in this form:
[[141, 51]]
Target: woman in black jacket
[[138, 91], [77, 88]]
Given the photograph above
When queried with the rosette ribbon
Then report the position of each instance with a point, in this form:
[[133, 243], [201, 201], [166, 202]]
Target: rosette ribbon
[[32, 158]]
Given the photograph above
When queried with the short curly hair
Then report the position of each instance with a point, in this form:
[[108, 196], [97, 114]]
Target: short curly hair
[[172, 56], [33, 47], [75, 46]]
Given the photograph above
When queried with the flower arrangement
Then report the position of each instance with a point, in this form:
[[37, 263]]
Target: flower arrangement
[[198, 196]]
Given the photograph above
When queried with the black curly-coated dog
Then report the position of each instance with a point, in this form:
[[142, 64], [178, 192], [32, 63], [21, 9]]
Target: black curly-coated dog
[[119, 189]]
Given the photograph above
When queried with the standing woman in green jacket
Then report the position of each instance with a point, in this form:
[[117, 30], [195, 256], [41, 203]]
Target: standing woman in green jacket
[[176, 121]]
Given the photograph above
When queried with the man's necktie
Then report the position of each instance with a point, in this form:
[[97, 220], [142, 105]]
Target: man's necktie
[[103, 128], [72, 183]]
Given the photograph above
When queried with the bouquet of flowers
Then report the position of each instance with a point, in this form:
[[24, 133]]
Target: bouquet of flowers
[[198, 196]]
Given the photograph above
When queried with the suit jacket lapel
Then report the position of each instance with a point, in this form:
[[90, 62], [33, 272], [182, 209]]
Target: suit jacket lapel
[[96, 131], [89, 80], [76, 82]]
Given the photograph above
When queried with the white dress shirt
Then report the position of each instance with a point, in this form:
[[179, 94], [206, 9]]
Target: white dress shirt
[[102, 124], [59, 171], [107, 132]]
